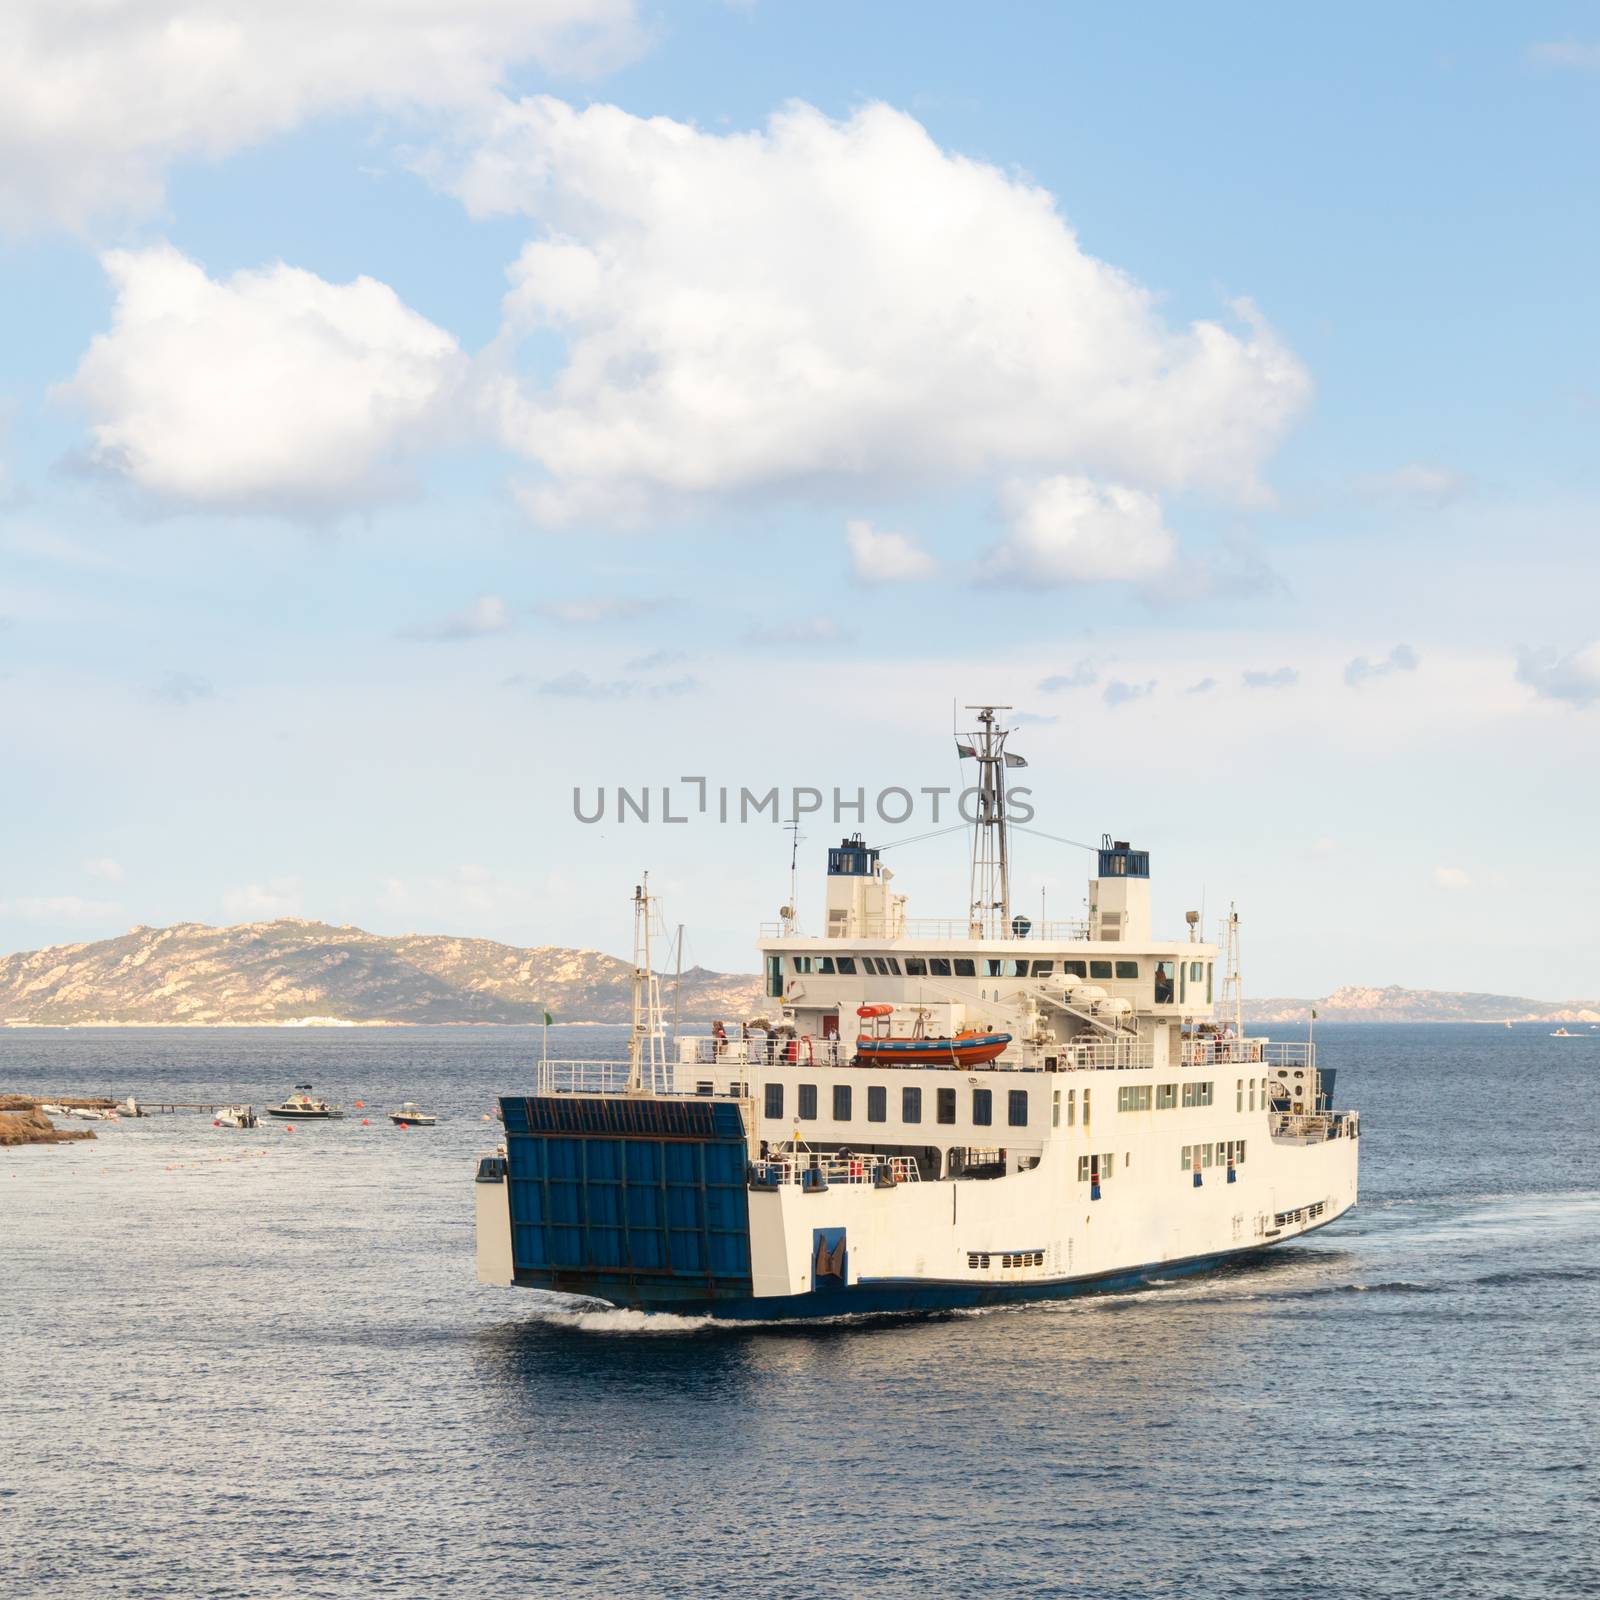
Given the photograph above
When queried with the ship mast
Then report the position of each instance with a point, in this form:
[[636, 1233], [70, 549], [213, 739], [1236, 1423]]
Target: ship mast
[[1232, 995], [646, 1043], [990, 916]]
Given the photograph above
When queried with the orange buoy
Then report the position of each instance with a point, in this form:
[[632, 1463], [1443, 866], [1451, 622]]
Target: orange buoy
[[361, 1105], [363, 1122]]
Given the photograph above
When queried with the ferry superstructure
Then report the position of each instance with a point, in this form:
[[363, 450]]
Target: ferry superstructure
[[778, 1168]]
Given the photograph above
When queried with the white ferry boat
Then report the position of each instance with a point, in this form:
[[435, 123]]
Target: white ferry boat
[[795, 1166]]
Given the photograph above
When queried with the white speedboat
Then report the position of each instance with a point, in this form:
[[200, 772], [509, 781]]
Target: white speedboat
[[304, 1108], [235, 1117], [1561, 1033], [411, 1115]]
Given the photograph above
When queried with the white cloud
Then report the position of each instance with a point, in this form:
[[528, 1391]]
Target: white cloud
[[272, 390], [885, 557], [1277, 678], [183, 689], [822, 302], [1083, 676], [577, 685], [103, 867], [1566, 53], [96, 100], [488, 614], [1204, 686], [67, 907], [1573, 677], [800, 631], [1400, 659], [598, 608], [1067, 529], [260, 902], [1118, 693], [1451, 878], [1419, 482]]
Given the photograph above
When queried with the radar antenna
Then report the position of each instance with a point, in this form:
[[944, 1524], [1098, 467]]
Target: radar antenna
[[990, 916], [647, 1045]]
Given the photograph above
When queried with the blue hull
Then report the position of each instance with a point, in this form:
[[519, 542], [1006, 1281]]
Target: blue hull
[[877, 1296]]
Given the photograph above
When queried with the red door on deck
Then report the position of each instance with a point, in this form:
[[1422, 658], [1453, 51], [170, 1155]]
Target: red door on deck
[[830, 1026]]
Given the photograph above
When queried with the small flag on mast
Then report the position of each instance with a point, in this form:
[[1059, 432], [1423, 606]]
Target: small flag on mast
[[548, 1019], [964, 750]]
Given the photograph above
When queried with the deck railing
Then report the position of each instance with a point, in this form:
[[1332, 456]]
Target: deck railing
[[870, 930], [1312, 1127], [803, 1169], [1211, 1052]]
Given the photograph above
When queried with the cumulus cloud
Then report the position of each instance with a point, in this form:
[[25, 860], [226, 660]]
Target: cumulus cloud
[[823, 302], [97, 99], [1069, 529], [1083, 676], [1277, 678], [488, 614], [1401, 659], [1118, 693], [271, 390], [1418, 482], [260, 902], [1204, 686], [885, 557], [1451, 878], [1573, 677]]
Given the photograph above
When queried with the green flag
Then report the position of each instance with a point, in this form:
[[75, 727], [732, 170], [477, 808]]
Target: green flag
[[548, 1019], [1313, 1014]]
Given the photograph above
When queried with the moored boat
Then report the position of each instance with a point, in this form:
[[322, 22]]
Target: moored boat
[[411, 1115], [303, 1107], [235, 1117]]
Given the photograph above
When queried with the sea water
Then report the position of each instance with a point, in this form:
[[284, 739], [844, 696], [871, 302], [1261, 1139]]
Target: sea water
[[257, 1363]]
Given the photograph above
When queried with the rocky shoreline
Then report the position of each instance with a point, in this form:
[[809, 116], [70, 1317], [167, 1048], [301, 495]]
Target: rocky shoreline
[[22, 1122]]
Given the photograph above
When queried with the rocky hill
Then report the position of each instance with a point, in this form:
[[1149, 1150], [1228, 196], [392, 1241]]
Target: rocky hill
[[1357, 1004], [293, 971]]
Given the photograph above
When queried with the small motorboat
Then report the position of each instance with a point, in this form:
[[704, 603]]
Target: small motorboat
[[303, 1108], [411, 1115], [235, 1117], [970, 1047], [1561, 1033]]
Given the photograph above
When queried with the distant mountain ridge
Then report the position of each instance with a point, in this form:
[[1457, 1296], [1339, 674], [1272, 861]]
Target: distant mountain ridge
[[292, 970], [296, 971], [1355, 1003]]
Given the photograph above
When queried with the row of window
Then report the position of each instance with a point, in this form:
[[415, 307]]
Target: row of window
[[993, 967], [910, 1104], [1301, 1214], [1195, 1156], [1099, 1168], [1016, 1258], [1139, 1096], [1249, 1086]]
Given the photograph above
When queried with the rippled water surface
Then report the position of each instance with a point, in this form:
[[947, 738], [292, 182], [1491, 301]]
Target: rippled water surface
[[258, 1364]]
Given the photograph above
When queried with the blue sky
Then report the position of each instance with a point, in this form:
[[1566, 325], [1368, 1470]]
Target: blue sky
[[403, 422]]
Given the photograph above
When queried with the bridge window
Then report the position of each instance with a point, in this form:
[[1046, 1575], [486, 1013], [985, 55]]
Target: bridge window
[[877, 1103], [966, 967], [910, 1104], [916, 967], [982, 1107], [825, 964], [1127, 969], [1194, 971], [1166, 974], [1017, 1108], [847, 966], [801, 963], [947, 1105], [939, 966], [841, 1102], [994, 967], [1208, 983], [1099, 969], [1075, 969], [775, 977], [1017, 969], [774, 1106], [894, 966], [1043, 969], [808, 1102]]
